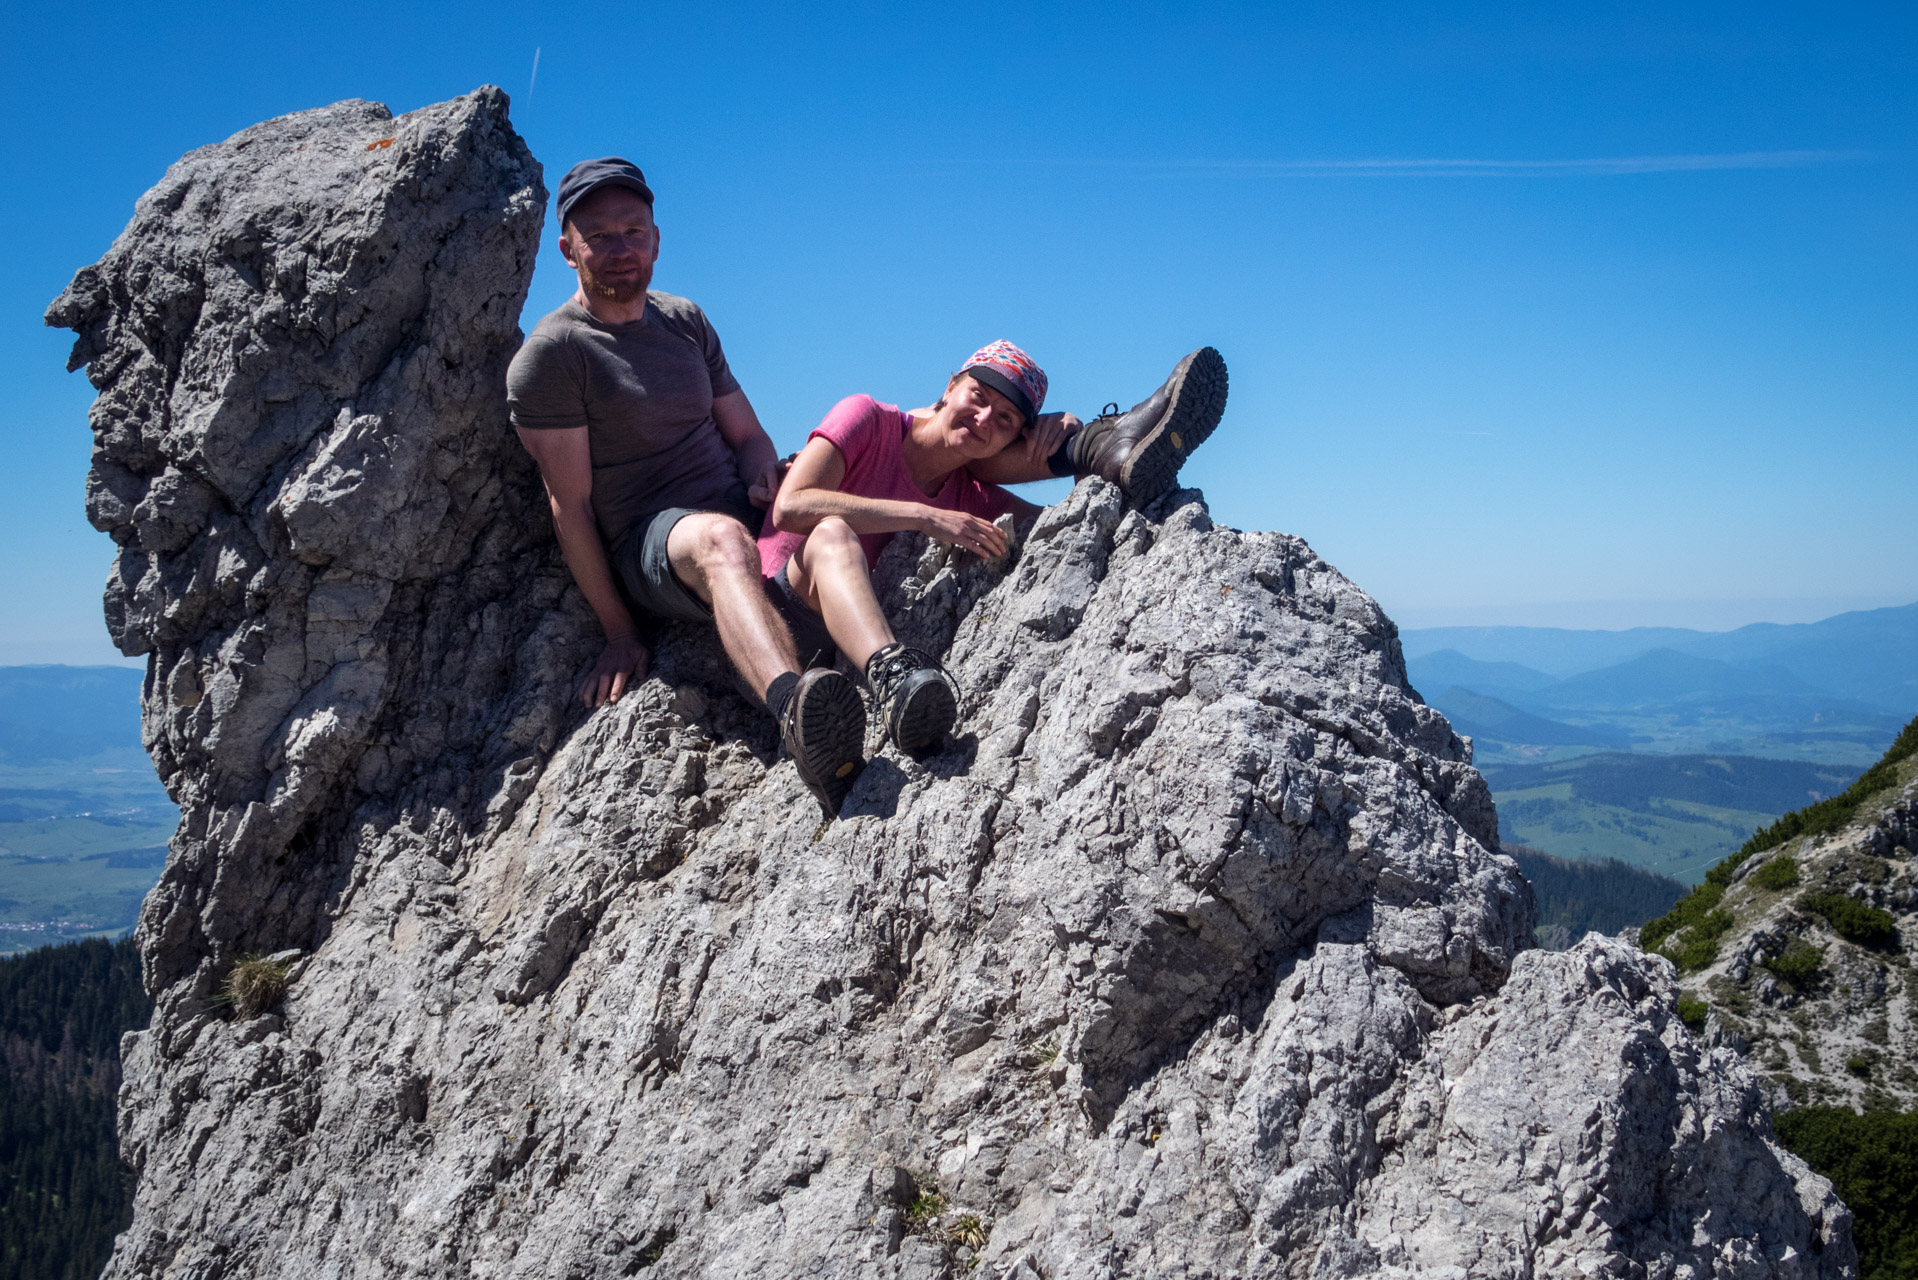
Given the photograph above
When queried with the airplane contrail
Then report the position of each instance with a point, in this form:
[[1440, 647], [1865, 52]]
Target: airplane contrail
[[1445, 167]]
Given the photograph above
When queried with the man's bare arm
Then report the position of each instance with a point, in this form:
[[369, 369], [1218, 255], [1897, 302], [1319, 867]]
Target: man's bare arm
[[566, 466], [758, 460]]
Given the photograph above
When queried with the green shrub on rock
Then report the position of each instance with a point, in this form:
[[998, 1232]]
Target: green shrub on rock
[[1779, 873], [1873, 1160], [1798, 964], [1853, 920]]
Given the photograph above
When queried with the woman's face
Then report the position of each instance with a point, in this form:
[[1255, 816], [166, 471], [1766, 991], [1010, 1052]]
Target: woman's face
[[978, 422]]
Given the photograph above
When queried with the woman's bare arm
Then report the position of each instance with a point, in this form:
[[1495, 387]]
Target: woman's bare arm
[[810, 493]]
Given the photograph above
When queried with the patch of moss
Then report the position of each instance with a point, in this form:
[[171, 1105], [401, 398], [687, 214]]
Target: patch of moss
[[656, 1248]]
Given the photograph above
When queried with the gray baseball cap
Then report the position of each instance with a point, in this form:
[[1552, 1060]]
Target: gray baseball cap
[[589, 176]]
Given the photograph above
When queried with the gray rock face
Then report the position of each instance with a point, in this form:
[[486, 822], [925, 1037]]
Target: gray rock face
[[1191, 955]]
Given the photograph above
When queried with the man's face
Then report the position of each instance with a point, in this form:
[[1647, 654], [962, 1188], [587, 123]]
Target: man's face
[[611, 241], [978, 421]]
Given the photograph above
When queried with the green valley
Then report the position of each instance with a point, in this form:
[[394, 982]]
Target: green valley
[[1673, 815]]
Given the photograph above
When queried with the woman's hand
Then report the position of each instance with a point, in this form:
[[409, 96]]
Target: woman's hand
[[1047, 432], [980, 537]]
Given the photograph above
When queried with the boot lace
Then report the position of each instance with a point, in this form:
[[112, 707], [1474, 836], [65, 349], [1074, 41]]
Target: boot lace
[[892, 668]]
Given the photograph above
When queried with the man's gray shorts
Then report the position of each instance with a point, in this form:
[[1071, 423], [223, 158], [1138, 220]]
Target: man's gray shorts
[[646, 571]]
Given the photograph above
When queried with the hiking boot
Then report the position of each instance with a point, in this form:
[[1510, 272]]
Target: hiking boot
[[824, 729], [914, 695], [1142, 449]]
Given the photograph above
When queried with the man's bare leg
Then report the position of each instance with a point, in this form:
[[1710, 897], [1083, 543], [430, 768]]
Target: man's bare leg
[[829, 575], [715, 556], [821, 719]]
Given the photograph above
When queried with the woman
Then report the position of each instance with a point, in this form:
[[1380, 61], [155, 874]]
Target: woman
[[871, 470]]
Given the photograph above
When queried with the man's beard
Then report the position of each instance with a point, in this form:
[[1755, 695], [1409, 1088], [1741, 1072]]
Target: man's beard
[[621, 291]]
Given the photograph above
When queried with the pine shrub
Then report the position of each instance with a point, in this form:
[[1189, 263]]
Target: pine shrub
[[1873, 1162], [1853, 920]]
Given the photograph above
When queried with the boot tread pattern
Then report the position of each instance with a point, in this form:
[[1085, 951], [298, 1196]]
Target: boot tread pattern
[[1198, 402]]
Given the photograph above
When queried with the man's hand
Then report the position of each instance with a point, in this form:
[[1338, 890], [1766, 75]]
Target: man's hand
[[980, 537], [621, 663], [765, 486], [1047, 432]]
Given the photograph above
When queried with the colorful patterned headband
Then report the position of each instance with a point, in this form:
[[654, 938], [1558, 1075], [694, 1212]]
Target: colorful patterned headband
[[1012, 373]]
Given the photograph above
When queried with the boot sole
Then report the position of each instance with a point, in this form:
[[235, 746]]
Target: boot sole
[[925, 716], [832, 736], [1198, 402]]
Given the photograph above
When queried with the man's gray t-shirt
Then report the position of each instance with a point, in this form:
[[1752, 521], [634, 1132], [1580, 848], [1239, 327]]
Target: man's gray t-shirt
[[644, 391]]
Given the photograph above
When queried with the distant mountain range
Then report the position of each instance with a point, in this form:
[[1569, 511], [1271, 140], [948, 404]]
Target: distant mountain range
[[1867, 658], [1832, 692]]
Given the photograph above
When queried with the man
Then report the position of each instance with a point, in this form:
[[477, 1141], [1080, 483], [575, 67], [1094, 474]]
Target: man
[[658, 471]]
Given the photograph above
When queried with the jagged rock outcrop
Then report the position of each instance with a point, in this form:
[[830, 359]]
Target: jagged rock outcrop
[[1192, 955]]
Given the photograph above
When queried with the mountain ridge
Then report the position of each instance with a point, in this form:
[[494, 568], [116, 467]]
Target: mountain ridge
[[1867, 655]]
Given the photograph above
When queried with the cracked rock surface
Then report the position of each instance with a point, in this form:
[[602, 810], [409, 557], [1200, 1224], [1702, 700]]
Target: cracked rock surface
[[1191, 955]]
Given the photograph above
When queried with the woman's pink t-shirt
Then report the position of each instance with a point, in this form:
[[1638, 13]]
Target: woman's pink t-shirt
[[871, 437]]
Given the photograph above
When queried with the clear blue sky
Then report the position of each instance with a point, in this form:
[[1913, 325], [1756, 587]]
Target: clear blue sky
[[1569, 315]]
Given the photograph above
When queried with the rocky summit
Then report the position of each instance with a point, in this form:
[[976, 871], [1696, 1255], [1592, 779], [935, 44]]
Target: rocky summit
[[1193, 954]]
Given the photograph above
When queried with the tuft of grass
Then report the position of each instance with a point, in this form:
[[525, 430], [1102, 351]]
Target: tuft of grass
[[1692, 1011], [1798, 964], [967, 1229], [1853, 920], [927, 1204], [656, 1248], [254, 984], [1780, 873]]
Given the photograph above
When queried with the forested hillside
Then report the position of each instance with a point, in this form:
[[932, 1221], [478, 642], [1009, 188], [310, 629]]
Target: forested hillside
[[1797, 951], [1575, 898], [63, 1191]]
